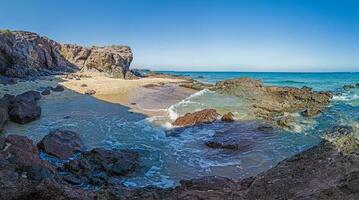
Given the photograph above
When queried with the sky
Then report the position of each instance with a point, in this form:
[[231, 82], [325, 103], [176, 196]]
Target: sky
[[203, 35]]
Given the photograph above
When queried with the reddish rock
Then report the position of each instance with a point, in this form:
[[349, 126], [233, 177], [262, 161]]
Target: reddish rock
[[23, 112], [203, 116], [61, 144]]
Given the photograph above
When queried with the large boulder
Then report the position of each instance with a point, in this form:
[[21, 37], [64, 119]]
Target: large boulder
[[25, 54], [23, 112], [203, 116], [114, 60], [98, 165], [61, 144], [23, 108]]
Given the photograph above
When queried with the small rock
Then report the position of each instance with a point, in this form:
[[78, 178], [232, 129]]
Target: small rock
[[90, 92], [348, 87], [84, 85], [61, 144], [285, 121], [228, 117], [58, 88], [46, 92], [133, 103], [307, 88], [309, 112]]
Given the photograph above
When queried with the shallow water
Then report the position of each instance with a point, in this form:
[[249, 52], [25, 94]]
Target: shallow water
[[166, 160]]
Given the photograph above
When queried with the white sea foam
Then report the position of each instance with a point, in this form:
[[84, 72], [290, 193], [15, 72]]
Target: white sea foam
[[172, 110], [345, 97]]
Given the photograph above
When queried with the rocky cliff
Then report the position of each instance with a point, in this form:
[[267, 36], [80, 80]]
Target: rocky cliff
[[114, 60], [24, 54]]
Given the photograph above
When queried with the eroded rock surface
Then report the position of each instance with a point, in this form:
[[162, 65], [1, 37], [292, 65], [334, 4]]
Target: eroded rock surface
[[61, 143], [25, 54], [270, 102], [203, 116], [98, 165], [114, 60]]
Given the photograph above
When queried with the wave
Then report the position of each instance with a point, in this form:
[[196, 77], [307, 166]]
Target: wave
[[172, 111], [345, 97]]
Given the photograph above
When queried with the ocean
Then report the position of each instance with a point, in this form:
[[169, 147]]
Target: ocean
[[167, 160]]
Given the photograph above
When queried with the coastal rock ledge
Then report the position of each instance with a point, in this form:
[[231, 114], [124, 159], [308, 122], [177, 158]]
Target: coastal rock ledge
[[24, 54]]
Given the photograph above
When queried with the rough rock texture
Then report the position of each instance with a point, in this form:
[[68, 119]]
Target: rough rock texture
[[23, 175], [270, 102], [4, 109], [25, 53], [203, 116], [114, 60], [24, 108], [61, 144], [98, 165]]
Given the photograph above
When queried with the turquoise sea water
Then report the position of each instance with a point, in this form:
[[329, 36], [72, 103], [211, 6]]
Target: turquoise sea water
[[167, 160]]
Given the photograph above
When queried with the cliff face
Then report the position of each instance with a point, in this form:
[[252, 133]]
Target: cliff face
[[114, 60], [25, 54]]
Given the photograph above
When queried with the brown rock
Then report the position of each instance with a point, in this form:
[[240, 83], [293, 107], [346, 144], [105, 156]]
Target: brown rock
[[27, 54], [114, 60], [203, 116], [228, 117], [61, 144]]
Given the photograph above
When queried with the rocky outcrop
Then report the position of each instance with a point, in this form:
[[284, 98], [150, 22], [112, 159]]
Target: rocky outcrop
[[24, 109], [98, 165], [270, 102], [203, 116], [114, 60], [24, 54], [61, 144]]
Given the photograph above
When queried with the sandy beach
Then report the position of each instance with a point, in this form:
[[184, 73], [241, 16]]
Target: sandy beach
[[149, 96]]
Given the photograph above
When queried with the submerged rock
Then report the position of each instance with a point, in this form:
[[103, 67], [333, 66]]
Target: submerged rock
[[61, 144], [348, 87], [241, 136], [58, 88], [203, 116], [97, 165]]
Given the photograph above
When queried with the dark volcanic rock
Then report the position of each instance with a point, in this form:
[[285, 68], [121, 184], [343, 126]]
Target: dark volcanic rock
[[97, 165], [47, 91], [61, 144], [90, 92], [23, 112], [29, 96], [348, 87], [25, 54], [203, 116], [58, 88], [228, 117]]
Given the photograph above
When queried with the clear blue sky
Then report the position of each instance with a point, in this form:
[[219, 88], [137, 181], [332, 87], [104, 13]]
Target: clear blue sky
[[210, 35]]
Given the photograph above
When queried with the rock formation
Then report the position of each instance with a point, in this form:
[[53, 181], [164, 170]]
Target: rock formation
[[203, 116], [24, 54], [270, 102], [114, 60]]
